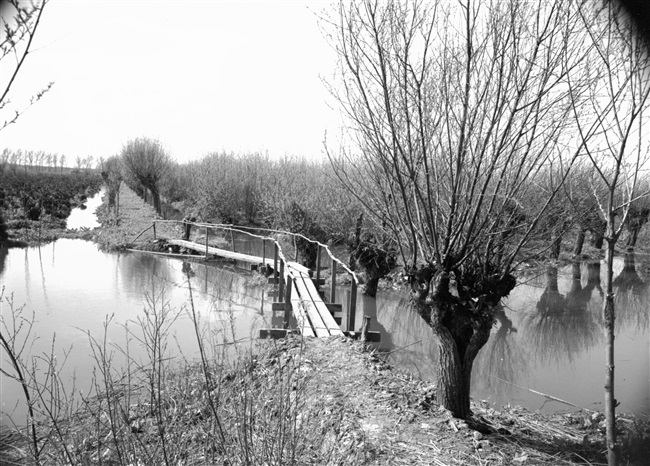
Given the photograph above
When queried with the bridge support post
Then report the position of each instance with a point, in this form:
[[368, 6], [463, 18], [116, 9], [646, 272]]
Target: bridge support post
[[275, 261], [207, 235], [333, 283], [287, 305], [154, 230], [281, 282], [264, 253], [352, 308], [365, 327]]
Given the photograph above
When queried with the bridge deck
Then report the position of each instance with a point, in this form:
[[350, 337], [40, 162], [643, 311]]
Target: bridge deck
[[221, 252], [311, 313]]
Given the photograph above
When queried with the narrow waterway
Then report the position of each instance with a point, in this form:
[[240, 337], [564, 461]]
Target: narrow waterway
[[547, 338], [69, 294], [85, 217]]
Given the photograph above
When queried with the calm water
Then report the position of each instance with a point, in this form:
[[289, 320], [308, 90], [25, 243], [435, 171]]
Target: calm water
[[73, 288], [86, 218], [548, 335]]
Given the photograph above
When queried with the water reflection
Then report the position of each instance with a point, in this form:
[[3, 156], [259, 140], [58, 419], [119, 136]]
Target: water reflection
[[546, 337], [84, 217], [501, 361], [4, 252], [631, 290], [74, 289], [563, 325]]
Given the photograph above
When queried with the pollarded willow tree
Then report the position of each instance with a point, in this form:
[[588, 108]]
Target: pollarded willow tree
[[456, 112], [147, 162]]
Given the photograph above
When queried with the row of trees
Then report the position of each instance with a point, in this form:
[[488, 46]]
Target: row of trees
[[465, 122], [252, 189], [40, 160]]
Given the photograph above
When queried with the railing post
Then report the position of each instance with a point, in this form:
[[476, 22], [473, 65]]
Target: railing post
[[264, 253], [318, 266], [287, 305], [333, 283], [352, 308], [275, 261], [207, 235], [154, 229], [232, 241], [281, 287], [365, 327], [295, 249]]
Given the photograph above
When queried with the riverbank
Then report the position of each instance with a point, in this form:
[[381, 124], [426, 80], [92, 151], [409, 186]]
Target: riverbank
[[303, 402], [316, 401], [34, 206]]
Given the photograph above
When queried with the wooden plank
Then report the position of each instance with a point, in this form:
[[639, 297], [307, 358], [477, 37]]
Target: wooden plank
[[299, 268], [316, 320], [221, 252], [334, 307], [301, 317], [322, 315], [275, 333]]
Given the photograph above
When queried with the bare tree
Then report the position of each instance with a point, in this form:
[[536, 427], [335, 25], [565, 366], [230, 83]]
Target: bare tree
[[455, 113], [111, 171], [611, 121], [147, 161], [19, 21]]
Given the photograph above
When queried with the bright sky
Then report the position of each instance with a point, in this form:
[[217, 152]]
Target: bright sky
[[200, 76]]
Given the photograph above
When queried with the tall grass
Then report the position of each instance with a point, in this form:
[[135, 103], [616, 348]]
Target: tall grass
[[246, 406]]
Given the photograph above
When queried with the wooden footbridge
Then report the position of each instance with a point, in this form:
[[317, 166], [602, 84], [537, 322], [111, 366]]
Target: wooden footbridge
[[299, 292]]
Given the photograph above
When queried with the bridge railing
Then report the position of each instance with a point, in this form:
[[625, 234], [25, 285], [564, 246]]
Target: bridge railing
[[280, 258]]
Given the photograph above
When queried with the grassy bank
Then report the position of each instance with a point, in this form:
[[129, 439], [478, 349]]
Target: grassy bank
[[318, 401]]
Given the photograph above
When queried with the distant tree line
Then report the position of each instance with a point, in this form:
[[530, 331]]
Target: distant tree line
[[41, 160]]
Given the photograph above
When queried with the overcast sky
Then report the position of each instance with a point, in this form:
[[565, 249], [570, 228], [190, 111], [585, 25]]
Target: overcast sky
[[200, 76]]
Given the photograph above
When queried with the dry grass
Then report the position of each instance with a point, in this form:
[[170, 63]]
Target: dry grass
[[320, 401]]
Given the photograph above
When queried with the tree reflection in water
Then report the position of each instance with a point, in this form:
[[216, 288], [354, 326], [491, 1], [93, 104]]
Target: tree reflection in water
[[564, 326], [631, 296], [501, 362], [4, 252]]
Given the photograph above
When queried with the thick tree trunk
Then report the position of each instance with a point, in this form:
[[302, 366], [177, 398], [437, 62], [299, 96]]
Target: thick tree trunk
[[454, 379], [580, 241], [460, 334], [370, 288], [556, 247], [631, 239], [597, 239]]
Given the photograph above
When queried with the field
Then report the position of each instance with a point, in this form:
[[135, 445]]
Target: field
[[34, 205]]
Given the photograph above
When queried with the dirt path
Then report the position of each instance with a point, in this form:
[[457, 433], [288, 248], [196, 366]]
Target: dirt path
[[135, 215]]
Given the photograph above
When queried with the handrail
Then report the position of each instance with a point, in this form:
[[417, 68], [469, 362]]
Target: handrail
[[283, 261], [238, 228]]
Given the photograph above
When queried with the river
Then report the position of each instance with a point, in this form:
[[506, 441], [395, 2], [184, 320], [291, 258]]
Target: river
[[548, 335]]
